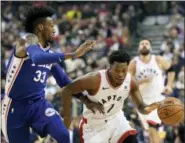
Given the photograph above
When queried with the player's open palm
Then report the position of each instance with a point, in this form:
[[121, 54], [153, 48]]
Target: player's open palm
[[94, 106], [84, 48]]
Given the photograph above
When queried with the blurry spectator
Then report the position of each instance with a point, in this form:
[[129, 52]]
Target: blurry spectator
[[167, 54], [74, 13], [87, 12], [173, 34], [179, 85]]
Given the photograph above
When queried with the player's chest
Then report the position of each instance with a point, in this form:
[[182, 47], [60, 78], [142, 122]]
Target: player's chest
[[29, 66], [38, 73], [147, 71], [109, 95]]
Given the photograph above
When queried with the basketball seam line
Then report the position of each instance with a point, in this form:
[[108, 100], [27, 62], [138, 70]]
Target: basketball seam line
[[169, 105], [172, 114]]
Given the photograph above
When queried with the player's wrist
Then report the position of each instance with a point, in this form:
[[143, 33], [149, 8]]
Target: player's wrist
[[70, 55]]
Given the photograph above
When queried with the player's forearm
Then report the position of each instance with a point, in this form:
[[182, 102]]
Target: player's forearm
[[146, 109], [171, 77], [66, 98], [60, 76], [141, 108], [141, 82], [38, 56]]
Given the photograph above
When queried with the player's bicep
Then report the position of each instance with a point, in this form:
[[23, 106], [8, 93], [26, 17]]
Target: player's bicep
[[165, 64], [132, 67], [135, 94], [81, 84]]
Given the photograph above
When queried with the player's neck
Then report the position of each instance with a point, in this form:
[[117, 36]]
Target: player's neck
[[145, 58], [111, 79], [42, 41]]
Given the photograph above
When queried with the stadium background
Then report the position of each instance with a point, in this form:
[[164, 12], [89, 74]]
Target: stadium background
[[114, 25]]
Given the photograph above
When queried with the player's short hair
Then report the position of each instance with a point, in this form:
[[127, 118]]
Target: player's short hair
[[119, 56], [36, 15], [144, 38]]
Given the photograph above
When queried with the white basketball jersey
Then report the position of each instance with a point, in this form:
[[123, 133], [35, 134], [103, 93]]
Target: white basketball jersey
[[111, 98], [150, 92]]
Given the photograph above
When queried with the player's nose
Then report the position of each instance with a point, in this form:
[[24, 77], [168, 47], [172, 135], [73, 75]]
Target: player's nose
[[120, 75]]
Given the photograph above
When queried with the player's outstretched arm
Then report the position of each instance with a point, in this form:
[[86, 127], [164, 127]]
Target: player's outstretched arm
[[62, 80], [138, 100], [29, 46], [87, 83]]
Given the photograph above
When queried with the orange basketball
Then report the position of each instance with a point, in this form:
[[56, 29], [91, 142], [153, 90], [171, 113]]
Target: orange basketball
[[171, 111]]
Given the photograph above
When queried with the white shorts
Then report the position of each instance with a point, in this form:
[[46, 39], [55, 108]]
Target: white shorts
[[151, 118], [113, 130]]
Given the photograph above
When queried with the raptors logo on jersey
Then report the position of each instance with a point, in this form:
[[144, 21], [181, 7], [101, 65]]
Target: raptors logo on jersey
[[111, 98], [150, 92]]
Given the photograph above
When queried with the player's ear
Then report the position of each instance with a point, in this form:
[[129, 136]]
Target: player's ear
[[40, 27]]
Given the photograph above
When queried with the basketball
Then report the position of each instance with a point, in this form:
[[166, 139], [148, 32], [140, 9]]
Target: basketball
[[171, 111]]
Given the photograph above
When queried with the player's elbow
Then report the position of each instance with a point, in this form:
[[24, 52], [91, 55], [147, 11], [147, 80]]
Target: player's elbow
[[66, 91]]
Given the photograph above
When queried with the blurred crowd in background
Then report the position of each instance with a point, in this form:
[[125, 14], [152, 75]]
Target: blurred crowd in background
[[114, 26]]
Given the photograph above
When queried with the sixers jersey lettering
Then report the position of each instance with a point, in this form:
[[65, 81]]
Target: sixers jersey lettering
[[25, 79], [111, 98]]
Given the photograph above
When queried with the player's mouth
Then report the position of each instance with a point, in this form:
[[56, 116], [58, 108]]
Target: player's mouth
[[120, 80]]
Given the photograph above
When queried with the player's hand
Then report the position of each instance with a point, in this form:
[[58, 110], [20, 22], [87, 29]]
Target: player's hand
[[94, 106], [30, 39], [67, 122], [152, 107], [84, 48], [146, 80], [167, 90]]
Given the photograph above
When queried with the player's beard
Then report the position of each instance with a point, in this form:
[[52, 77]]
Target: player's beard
[[144, 52]]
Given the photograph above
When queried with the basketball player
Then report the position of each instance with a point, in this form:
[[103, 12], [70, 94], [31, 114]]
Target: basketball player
[[110, 88], [30, 64], [148, 71]]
